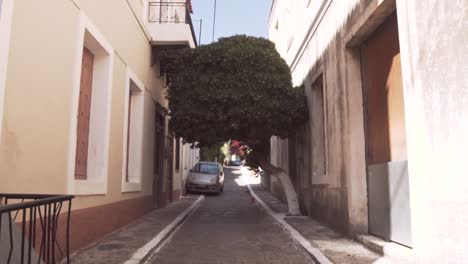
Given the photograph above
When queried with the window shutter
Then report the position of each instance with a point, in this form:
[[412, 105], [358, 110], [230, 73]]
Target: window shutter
[[84, 113]]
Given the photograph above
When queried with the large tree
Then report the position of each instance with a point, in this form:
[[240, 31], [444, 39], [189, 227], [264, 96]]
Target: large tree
[[237, 88]]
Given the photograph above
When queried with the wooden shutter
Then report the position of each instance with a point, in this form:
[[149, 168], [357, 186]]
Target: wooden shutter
[[129, 112], [84, 113]]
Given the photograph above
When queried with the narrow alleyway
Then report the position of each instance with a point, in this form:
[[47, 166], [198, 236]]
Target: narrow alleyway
[[230, 228]]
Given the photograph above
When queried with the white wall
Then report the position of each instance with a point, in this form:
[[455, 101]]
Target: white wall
[[6, 13], [434, 52], [434, 55], [318, 49], [167, 33]]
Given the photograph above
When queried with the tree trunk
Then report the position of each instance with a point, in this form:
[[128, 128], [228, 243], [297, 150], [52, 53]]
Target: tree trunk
[[288, 187]]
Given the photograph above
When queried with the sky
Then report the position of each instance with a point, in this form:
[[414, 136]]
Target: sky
[[233, 17]]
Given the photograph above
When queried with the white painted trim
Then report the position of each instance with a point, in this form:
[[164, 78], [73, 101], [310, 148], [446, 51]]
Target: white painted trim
[[164, 236], [135, 161], [6, 17], [295, 235], [88, 35]]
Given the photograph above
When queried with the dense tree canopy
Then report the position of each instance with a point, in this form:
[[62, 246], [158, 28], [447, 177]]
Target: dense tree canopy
[[237, 88], [213, 152]]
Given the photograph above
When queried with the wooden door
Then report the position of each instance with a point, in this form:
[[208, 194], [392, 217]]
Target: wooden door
[[84, 113], [387, 162]]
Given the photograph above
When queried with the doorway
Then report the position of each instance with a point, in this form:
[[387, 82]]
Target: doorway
[[387, 162], [158, 160], [170, 168]]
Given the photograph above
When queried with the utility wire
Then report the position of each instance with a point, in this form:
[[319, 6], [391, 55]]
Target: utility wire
[[214, 21]]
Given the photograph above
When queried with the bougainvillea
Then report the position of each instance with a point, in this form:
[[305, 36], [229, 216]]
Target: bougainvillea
[[239, 148]]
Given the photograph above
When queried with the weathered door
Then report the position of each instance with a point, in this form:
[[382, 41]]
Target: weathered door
[[299, 169], [387, 162], [170, 168], [158, 161], [84, 113]]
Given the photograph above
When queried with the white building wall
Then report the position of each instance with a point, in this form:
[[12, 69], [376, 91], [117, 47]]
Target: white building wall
[[434, 49], [308, 36], [6, 13]]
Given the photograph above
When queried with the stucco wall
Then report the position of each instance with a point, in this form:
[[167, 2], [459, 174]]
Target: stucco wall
[[35, 131], [6, 10], [35, 138], [434, 52], [324, 43], [433, 37], [318, 49]]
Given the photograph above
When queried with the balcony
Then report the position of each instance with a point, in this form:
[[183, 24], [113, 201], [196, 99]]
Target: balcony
[[170, 23], [33, 228]]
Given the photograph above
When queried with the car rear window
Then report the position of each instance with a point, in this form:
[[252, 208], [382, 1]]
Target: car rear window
[[206, 168]]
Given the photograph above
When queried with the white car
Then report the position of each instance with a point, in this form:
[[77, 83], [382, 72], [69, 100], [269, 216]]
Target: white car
[[206, 177]]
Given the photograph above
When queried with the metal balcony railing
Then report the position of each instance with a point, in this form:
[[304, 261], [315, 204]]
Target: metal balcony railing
[[168, 12], [31, 230], [171, 12]]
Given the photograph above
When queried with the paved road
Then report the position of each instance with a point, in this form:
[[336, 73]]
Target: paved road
[[230, 228]]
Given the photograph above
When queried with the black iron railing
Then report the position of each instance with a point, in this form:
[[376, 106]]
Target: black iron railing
[[171, 12], [31, 230]]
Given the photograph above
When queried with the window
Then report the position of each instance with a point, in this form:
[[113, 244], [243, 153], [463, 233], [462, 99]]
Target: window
[[318, 129], [132, 168], [6, 12], [90, 119], [177, 154]]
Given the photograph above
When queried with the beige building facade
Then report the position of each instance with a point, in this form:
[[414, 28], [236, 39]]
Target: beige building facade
[[82, 98], [382, 152]]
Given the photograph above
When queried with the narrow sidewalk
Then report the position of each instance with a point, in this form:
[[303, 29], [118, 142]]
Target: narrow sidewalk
[[335, 246], [119, 247]]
